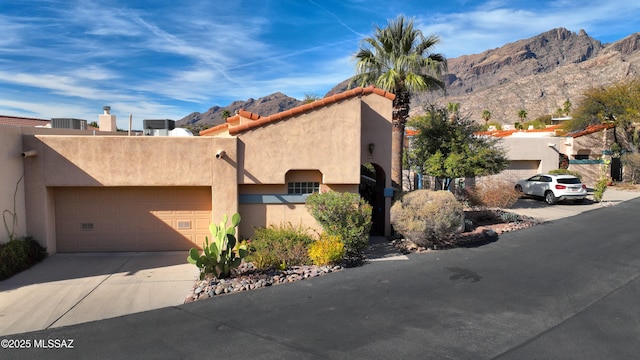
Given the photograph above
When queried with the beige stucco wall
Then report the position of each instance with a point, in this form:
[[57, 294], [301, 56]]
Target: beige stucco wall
[[376, 130], [263, 215], [530, 151], [11, 148], [12, 169], [535, 149], [96, 161], [324, 140], [334, 140], [593, 145]]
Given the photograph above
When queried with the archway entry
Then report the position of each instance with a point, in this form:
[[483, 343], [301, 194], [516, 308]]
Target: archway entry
[[372, 183]]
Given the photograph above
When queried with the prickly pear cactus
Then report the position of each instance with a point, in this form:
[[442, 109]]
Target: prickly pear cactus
[[223, 253]]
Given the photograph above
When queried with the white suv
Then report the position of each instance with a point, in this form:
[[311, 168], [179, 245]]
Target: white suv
[[553, 188]]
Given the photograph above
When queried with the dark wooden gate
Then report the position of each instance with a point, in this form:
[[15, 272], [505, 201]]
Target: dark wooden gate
[[616, 169]]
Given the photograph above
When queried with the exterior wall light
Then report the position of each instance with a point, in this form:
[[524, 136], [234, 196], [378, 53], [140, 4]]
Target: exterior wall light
[[372, 146]]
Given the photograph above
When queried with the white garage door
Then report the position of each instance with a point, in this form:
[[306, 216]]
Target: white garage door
[[131, 218]]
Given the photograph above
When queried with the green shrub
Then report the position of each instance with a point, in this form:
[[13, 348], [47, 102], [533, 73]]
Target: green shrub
[[329, 249], [566, 172], [345, 215], [599, 188], [18, 255], [280, 246], [493, 194], [428, 218]]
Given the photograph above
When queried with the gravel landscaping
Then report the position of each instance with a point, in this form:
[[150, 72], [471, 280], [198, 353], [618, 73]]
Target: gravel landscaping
[[484, 227], [247, 277]]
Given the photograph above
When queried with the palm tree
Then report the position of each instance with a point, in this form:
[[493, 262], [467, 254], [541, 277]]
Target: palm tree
[[225, 114], [566, 107], [486, 116], [454, 111], [399, 59], [522, 114]]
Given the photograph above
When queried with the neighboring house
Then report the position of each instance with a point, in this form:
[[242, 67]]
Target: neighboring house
[[153, 193], [12, 191], [23, 121], [541, 150]]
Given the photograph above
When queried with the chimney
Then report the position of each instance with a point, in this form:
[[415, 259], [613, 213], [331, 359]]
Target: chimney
[[106, 121]]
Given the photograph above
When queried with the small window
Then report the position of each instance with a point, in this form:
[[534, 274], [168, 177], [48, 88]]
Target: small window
[[86, 226], [303, 187], [184, 225]]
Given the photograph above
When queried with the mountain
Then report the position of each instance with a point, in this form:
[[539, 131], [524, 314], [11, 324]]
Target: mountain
[[264, 106], [537, 74]]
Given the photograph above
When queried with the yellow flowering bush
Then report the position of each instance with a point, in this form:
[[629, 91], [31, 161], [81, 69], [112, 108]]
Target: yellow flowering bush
[[326, 250]]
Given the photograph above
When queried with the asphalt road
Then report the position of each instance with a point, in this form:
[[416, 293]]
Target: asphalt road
[[565, 289]]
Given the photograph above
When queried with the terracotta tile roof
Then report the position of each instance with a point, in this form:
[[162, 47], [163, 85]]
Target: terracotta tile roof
[[591, 129], [22, 121], [411, 132], [551, 128], [505, 133], [235, 125]]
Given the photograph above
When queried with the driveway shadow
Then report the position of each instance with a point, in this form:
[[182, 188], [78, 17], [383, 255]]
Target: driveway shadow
[[66, 266]]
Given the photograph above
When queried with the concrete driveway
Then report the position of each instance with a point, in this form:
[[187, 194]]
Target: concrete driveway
[[540, 210], [68, 289]]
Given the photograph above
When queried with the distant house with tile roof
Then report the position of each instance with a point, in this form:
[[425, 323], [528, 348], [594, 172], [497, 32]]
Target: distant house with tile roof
[[539, 150], [6, 120]]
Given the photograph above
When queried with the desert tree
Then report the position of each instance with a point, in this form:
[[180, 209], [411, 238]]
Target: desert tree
[[617, 104], [452, 149]]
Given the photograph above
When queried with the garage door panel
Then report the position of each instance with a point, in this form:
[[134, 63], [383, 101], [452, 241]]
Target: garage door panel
[[521, 169], [131, 219]]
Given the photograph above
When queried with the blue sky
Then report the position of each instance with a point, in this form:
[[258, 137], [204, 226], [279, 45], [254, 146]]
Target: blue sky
[[165, 59]]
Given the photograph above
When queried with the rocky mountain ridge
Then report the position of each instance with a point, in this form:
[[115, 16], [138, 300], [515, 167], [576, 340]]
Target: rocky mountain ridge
[[537, 74], [267, 105]]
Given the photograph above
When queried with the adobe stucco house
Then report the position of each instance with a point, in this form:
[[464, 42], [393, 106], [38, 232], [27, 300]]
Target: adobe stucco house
[[119, 193], [541, 150]]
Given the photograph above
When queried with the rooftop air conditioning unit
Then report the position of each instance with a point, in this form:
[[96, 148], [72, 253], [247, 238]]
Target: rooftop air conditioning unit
[[68, 123], [158, 127]]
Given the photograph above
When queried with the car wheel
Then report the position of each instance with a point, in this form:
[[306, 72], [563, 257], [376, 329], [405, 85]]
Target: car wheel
[[549, 198], [518, 188]]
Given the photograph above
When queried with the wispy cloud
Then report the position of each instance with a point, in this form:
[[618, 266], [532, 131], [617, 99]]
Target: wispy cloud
[[163, 59]]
